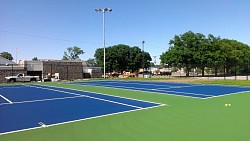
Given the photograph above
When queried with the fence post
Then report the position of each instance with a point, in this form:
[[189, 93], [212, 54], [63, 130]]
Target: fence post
[[247, 70], [67, 72], [51, 69], [224, 69], [11, 69], [235, 73]]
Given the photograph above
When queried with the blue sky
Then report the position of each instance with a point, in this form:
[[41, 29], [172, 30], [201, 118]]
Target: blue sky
[[46, 28]]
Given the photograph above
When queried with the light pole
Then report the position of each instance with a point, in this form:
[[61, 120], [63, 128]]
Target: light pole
[[16, 55], [103, 10], [143, 58]]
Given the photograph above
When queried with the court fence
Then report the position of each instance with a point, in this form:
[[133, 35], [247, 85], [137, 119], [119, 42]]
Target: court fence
[[225, 71], [50, 70], [76, 70]]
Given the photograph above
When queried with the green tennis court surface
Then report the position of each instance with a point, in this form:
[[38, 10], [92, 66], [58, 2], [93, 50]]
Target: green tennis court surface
[[185, 118]]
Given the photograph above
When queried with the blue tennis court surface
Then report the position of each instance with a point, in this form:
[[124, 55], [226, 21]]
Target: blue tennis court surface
[[180, 89], [25, 107]]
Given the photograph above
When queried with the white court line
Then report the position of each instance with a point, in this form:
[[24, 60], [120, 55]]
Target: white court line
[[148, 83], [242, 92], [115, 102], [110, 101], [145, 90], [138, 89], [6, 99], [77, 95], [101, 93], [192, 85], [42, 100], [183, 92], [54, 90], [181, 86], [168, 83], [138, 108], [160, 89], [165, 86], [12, 86], [95, 117]]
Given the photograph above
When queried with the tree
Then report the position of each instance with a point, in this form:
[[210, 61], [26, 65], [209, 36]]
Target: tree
[[186, 50], [122, 58], [135, 59], [6, 55], [214, 54], [194, 50], [72, 53], [234, 54], [34, 59], [91, 62]]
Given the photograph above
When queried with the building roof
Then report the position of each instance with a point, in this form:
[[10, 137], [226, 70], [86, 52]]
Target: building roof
[[4, 61], [84, 63]]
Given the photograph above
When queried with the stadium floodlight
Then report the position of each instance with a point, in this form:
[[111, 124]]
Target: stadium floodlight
[[103, 10]]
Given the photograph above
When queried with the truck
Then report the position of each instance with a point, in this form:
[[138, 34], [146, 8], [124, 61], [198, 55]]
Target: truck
[[22, 78], [163, 71], [166, 71]]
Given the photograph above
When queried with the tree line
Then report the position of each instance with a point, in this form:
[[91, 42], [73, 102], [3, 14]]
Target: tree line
[[188, 50], [195, 50]]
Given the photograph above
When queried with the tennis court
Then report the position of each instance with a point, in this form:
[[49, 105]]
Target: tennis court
[[25, 107], [180, 89]]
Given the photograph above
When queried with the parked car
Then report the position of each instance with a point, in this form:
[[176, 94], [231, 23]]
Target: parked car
[[21, 77]]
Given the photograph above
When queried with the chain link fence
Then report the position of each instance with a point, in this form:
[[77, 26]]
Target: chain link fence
[[225, 71], [50, 70], [10, 70]]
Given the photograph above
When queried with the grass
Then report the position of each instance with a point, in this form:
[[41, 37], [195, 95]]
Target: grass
[[185, 118]]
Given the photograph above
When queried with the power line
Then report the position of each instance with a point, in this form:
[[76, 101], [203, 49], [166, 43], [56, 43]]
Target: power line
[[58, 39], [44, 37], [64, 40]]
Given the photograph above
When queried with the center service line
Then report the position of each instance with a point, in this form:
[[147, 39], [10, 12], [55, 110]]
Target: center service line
[[6, 99]]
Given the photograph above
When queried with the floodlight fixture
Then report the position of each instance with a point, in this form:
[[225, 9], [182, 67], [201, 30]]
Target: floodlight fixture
[[103, 10]]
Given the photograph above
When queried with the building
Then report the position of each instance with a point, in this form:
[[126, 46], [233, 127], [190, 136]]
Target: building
[[8, 68], [61, 69]]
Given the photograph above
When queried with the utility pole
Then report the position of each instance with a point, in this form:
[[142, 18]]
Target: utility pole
[[16, 55], [143, 58], [154, 60]]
